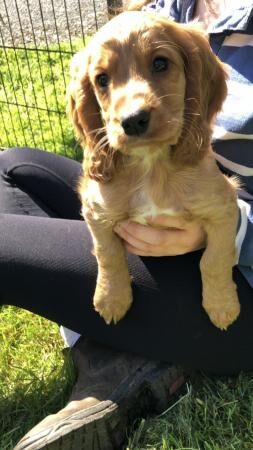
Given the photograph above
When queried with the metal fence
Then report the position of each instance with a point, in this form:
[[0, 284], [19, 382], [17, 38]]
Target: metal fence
[[37, 41]]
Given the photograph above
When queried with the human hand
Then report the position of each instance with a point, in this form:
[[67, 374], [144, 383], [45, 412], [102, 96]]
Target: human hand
[[176, 237]]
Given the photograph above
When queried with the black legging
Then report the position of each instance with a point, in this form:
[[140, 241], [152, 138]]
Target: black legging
[[46, 266]]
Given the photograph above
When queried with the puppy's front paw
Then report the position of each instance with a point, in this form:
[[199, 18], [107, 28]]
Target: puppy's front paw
[[113, 305], [224, 312]]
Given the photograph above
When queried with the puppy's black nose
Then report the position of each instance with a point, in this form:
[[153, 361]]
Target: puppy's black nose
[[136, 123]]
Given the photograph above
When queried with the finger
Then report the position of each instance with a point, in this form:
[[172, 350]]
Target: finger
[[171, 244], [138, 244], [144, 233], [135, 251], [173, 249], [166, 221]]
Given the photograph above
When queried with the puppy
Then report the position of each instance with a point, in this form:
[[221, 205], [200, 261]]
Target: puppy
[[142, 98]]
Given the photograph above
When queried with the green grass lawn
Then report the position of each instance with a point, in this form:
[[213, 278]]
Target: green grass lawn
[[35, 376]]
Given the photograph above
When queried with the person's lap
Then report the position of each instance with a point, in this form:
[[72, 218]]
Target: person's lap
[[47, 266]]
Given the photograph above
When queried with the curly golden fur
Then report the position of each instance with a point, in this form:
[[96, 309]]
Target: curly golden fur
[[142, 98]]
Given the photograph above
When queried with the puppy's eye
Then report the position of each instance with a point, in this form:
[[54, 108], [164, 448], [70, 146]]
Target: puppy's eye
[[160, 64], [102, 80]]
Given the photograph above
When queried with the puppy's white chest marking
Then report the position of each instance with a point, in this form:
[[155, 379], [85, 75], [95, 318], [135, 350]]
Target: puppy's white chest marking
[[148, 209], [137, 206]]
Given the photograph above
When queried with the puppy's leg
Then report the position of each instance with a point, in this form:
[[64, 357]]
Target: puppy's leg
[[220, 298], [113, 295]]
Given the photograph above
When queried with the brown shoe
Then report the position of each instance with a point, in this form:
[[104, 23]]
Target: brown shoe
[[112, 389]]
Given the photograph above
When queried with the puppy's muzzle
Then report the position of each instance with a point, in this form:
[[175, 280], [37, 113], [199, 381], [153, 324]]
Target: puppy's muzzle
[[136, 123]]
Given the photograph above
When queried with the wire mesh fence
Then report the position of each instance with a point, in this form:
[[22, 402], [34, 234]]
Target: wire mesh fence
[[37, 41]]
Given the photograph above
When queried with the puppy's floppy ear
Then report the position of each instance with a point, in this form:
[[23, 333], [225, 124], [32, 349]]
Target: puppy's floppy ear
[[206, 90], [84, 113], [213, 76]]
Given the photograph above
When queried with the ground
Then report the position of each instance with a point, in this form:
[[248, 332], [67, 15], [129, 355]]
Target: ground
[[49, 20]]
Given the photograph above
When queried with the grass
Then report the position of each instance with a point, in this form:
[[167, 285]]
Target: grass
[[215, 415], [35, 376]]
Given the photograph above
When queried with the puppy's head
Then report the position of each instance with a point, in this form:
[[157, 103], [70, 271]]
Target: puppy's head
[[144, 81]]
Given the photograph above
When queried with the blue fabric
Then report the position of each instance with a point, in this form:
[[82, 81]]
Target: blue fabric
[[231, 38], [182, 11]]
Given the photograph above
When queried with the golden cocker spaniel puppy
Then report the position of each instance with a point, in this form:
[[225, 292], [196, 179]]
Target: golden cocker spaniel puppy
[[142, 98]]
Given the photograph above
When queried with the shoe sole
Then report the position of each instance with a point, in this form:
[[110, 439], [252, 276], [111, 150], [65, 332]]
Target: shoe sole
[[103, 426]]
